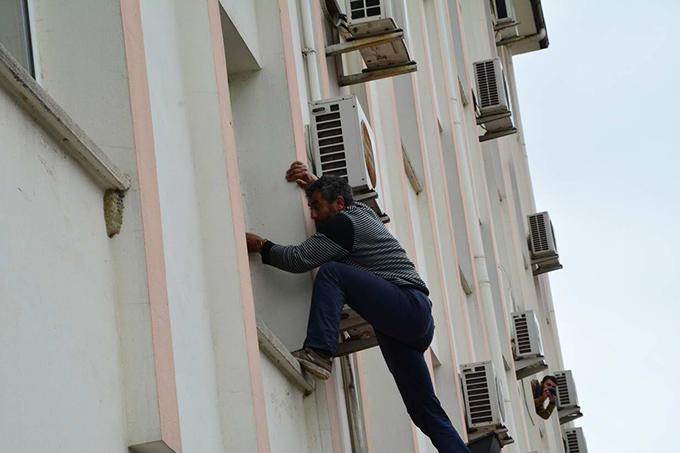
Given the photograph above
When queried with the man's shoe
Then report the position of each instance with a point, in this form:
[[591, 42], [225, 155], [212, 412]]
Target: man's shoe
[[316, 364]]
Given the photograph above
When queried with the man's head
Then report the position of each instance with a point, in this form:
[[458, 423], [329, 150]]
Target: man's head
[[327, 196], [549, 381]]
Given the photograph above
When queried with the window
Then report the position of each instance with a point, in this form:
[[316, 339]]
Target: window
[[15, 33]]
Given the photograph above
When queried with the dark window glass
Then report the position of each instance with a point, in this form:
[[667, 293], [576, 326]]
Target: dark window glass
[[501, 9]]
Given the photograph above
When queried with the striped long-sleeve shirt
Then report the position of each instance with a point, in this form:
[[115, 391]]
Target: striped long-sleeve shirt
[[355, 236]]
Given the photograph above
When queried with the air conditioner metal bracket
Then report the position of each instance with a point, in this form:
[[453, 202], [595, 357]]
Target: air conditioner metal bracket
[[384, 53], [368, 75], [370, 198], [546, 264], [497, 134], [500, 431], [569, 414], [356, 334], [353, 44], [488, 118], [528, 367]]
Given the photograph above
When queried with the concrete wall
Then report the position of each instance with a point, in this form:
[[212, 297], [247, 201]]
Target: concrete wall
[[61, 375], [266, 146]]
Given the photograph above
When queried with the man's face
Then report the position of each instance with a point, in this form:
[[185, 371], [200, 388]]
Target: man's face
[[549, 384], [322, 210]]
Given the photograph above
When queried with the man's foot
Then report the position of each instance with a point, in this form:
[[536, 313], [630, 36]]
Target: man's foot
[[315, 363]]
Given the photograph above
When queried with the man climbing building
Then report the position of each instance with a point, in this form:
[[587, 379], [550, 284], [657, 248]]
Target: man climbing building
[[362, 265]]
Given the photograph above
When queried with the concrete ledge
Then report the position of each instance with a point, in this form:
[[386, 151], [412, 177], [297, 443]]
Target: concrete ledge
[[282, 359], [54, 120]]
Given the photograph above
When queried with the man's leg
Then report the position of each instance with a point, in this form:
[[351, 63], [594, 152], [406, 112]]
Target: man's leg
[[387, 307], [412, 376], [403, 324]]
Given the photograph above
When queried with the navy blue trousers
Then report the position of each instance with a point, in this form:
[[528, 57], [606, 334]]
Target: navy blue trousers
[[402, 320]]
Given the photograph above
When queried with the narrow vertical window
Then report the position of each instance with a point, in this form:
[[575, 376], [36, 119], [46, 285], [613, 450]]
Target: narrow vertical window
[[15, 33]]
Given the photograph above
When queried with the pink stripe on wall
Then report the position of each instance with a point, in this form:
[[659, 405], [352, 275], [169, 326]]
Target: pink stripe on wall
[[161, 332], [238, 222]]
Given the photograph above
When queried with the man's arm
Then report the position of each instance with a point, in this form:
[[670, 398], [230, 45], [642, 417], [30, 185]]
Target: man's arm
[[304, 257], [545, 413], [333, 242]]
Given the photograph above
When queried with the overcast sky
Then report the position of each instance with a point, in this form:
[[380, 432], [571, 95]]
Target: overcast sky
[[601, 113]]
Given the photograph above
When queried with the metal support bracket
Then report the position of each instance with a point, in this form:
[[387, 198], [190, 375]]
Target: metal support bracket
[[360, 43], [569, 414], [500, 431], [528, 367], [547, 264], [488, 118], [368, 75], [497, 134], [384, 53], [356, 334]]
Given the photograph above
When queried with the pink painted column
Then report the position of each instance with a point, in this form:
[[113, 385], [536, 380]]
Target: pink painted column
[[246, 289], [142, 125]]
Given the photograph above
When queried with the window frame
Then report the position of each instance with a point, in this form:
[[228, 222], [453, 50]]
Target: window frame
[[23, 52]]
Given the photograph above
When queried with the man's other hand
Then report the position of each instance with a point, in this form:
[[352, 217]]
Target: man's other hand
[[299, 173], [254, 243]]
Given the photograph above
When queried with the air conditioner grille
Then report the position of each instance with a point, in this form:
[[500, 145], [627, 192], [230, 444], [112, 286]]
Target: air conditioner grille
[[331, 143], [572, 442], [486, 80], [522, 333], [360, 9], [539, 233], [563, 390], [479, 399]]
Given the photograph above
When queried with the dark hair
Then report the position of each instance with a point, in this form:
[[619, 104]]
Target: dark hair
[[549, 377], [331, 187]]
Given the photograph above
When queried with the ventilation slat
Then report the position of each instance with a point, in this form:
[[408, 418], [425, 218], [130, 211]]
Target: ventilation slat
[[489, 95]]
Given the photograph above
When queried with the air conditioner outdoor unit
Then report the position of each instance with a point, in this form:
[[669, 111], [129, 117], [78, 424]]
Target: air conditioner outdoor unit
[[542, 244], [566, 390], [527, 335], [504, 12], [542, 237], [483, 396], [343, 145], [491, 93], [575, 440], [492, 100]]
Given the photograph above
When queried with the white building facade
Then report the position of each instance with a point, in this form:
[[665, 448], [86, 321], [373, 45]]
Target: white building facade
[[143, 138]]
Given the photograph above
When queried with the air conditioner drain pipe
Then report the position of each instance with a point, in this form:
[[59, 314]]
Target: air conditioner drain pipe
[[309, 50]]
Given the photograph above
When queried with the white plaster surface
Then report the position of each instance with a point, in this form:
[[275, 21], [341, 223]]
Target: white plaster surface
[[244, 16], [60, 382], [90, 82], [182, 87], [273, 207], [286, 417]]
